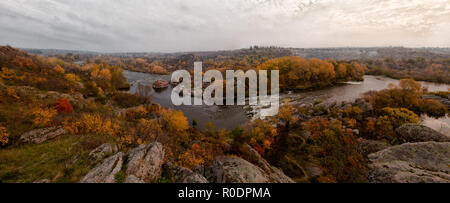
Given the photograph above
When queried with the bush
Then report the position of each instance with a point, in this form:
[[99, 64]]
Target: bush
[[3, 136], [259, 134], [41, 117], [391, 119], [434, 108], [192, 157], [406, 95], [93, 124], [175, 121], [127, 100], [149, 129], [63, 106]]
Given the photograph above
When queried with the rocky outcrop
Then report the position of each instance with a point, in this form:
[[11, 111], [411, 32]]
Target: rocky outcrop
[[424, 162], [160, 84], [418, 133], [106, 171], [255, 158], [232, 169], [145, 162], [363, 105], [43, 134], [366, 147], [102, 151], [142, 164], [184, 175]]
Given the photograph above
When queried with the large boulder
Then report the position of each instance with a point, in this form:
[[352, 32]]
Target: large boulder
[[42, 134], [232, 169], [184, 175], [425, 162], [142, 164], [255, 158], [145, 162], [418, 133], [102, 151], [106, 171]]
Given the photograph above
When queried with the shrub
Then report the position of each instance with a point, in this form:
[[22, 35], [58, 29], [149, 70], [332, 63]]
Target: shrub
[[149, 129], [260, 135], [41, 117], [285, 114], [63, 106], [433, 108], [93, 124], [193, 157], [3, 136], [391, 119], [127, 100], [175, 121], [406, 95]]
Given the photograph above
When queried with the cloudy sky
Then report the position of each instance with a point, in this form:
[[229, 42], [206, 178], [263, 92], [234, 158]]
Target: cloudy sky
[[188, 25]]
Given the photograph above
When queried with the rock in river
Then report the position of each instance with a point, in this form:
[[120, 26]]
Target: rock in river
[[160, 84]]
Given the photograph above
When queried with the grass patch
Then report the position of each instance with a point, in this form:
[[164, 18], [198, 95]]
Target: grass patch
[[62, 160]]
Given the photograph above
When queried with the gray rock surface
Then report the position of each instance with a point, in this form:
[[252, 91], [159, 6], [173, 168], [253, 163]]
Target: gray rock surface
[[42, 134], [424, 162], [141, 164], [418, 133], [232, 169], [102, 151], [184, 175], [105, 172], [145, 162], [366, 147]]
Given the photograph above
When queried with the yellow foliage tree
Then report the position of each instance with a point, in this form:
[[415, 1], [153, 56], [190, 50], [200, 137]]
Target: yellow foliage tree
[[159, 70], [58, 69], [175, 121]]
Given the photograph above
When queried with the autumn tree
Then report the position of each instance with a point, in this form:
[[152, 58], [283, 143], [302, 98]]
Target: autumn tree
[[175, 122], [335, 150], [391, 119]]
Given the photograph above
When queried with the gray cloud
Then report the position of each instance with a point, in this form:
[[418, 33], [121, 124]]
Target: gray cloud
[[181, 25]]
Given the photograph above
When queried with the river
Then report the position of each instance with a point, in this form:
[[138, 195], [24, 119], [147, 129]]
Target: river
[[230, 117]]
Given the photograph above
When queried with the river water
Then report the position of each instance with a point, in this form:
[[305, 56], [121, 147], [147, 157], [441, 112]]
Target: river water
[[230, 117]]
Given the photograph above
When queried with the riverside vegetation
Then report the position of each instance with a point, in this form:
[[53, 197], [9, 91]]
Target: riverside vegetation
[[65, 122]]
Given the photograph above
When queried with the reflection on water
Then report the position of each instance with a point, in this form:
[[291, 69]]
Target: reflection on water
[[441, 125], [232, 116]]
